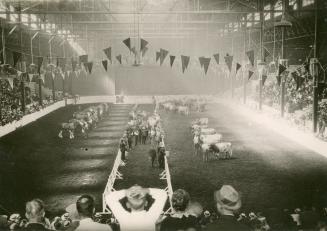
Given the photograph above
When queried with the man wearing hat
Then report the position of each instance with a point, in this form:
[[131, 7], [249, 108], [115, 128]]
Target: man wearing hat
[[134, 210], [228, 202]]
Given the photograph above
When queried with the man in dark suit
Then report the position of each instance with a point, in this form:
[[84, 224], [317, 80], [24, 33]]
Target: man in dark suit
[[228, 202], [35, 215]]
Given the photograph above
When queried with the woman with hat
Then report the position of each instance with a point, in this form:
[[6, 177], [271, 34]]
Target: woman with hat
[[180, 219]]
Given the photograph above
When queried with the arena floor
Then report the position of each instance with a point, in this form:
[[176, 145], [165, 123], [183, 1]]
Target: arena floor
[[267, 169]]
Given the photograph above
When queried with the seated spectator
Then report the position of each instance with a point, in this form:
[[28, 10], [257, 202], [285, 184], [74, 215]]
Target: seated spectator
[[180, 219], [4, 223], [228, 202], [133, 209], [35, 216], [85, 208]]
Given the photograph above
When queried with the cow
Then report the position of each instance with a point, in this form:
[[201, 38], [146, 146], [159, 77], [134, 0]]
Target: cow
[[222, 148], [216, 149], [183, 110], [207, 131], [211, 139]]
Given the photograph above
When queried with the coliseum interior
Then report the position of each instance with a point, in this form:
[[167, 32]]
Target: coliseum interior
[[163, 115]]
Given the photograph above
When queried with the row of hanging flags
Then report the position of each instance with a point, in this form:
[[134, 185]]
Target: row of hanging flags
[[161, 55]]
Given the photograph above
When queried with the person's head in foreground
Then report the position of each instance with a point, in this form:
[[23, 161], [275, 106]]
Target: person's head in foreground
[[228, 200], [136, 198], [180, 200], [85, 206], [35, 211]]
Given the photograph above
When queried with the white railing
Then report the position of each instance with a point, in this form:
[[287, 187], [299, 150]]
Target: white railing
[[115, 174], [165, 175]]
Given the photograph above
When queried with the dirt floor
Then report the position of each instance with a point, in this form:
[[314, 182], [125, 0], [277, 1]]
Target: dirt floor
[[267, 169], [34, 162]]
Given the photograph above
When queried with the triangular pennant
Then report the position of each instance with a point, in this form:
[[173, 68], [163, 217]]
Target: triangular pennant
[[118, 57], [88, 67], [229, 61], [216, 56], [250, 55], [238, 66], [157, 55], [281, 69], [16, 57], [206, 62], [144, 51], [107, 52], [74, 63], [185, 62], [163, 55], [201, 61], [58, 62], [39, 64], [295, 76], [127, 42], [172, 59], [31, 76], [143, 44], [265, 54], [264, 78], [279, 79], [250, 74], [105, 64], [11, 82], [83, 58]]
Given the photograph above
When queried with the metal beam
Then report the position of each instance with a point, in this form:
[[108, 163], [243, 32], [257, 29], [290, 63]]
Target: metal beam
[[148, 22], [154, 12]]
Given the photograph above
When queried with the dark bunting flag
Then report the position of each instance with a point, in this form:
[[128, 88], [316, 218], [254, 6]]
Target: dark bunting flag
[[74, 63], [172, 59], [250, 55], [229, 61], [250, 74], [264, 78], [83, 58], [201, 61], [144, 51], [163, 55], [238, 66], [185, 62], [143, 44], [157, 55], [216, 56], [39, 64], [297, 79], [107, 52], [105, 64], [88, 66], [127, 42], [206, 62], [281, 69], [16, 57], [266, 54], [118, 57]]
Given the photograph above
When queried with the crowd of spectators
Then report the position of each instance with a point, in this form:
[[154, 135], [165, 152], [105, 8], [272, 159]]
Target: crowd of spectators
[[11, 101], [140, 208]]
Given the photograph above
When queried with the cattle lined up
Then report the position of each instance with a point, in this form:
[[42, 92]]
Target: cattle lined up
[[208, 142], [183, 106], [83, 121]]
